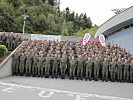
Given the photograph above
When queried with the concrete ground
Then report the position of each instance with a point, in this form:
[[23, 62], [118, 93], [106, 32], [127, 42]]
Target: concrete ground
[[31, 88]]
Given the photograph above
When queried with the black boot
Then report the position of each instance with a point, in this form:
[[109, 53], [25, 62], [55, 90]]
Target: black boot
[[106, 80], [103, 79], [72, 77], [52, 76], [86, 78], [90, 79]]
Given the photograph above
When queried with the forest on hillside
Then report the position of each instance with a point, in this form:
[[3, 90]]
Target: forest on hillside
[[45, 17]]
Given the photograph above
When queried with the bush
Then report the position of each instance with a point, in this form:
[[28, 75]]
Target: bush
[[3, 50]]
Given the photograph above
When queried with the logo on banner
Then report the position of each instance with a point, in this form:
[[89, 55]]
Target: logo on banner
[[86, 38], [102, 39]]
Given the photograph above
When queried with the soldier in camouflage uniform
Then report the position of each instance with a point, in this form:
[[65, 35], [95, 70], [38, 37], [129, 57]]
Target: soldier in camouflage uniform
[[3, 39], [15, 64], [131, 71], [80, 67], [8, 43], [96, 68], [105, 70], [120, 65], [112, 70], [22, 64], [18, 41], [47, 67], [34, 67], [63, 66], [72, 67], [40, 65], [12, 38], [126, 71], [28, 65], [88, 69], [55, 66]]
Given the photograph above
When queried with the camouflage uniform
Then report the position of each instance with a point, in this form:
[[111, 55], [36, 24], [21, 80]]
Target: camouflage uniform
[[63, 66], [80, 68], [55, 67], [131, 71], [47, 67], [28, 65], [40, 66], [112, 70], [105, 70], [34, 67], [12, 43], [88, 69], [96, 69], [119, 64], [15, 64], [126, 72], [22, 64], [72, 68], [3, 39]]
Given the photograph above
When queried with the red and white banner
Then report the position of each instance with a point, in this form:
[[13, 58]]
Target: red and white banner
[[102, 39], [86, 38]]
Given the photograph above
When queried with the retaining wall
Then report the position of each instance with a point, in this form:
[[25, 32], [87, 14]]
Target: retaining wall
[[6, 65]]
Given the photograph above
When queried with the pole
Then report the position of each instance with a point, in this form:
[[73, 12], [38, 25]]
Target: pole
[[23, 26], [25, 16]]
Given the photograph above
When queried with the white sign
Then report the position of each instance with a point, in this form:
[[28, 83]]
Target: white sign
[[102, 39], [86, 38], [45, 37]]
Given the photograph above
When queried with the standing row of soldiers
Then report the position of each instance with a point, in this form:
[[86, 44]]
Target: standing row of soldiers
[[10, 40], [74, 60]]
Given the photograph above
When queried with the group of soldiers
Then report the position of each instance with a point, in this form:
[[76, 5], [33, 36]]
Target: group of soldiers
[[73, 60], [10, 40]]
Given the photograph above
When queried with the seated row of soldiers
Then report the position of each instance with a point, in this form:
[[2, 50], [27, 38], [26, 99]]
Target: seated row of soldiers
[[10, 40], [74, 60]]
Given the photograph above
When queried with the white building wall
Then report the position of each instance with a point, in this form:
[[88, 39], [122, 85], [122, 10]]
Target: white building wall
[[115, 20], [124, 38]]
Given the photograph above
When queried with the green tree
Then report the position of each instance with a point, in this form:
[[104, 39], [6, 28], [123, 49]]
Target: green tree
[[3, 50], [6, 16], [64, 29], [16, 3], [45, 17]]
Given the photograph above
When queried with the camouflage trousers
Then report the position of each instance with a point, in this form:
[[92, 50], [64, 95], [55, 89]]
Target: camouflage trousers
[[126, 75], [34, 69], [63, 71], [42, 68], [112, 74], [15, 68], [80, 71], [72, 72], [96, 72], [88, 72], [47, 70], [104, 73], [28, 68], [119, 77], [55, 70], [21, 68], [131, 75]]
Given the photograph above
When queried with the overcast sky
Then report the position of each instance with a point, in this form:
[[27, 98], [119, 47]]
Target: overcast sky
[[98, 10]]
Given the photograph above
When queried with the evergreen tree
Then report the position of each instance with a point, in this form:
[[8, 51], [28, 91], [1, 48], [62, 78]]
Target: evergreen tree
[[45, 17]]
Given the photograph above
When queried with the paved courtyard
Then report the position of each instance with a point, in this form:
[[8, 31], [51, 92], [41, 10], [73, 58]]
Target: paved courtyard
[[29, 88]]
